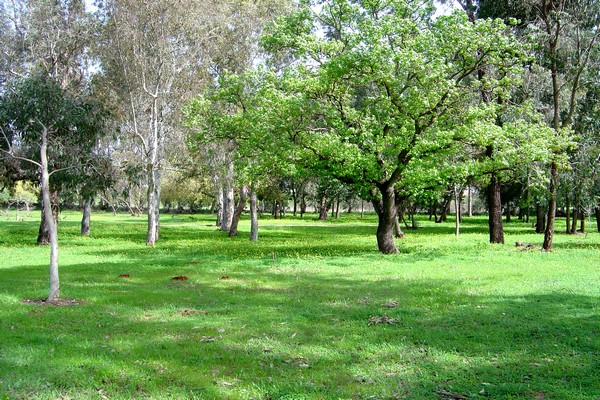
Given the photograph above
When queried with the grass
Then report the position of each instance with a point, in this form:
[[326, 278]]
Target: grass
[[289, 317]]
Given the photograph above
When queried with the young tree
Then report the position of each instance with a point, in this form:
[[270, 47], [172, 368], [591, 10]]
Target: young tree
[[41, 123]]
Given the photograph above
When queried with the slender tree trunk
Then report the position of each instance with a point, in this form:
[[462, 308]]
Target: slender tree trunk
[[576, 210], [219, 205], [549, 231], [157, 206], [582, 220], [151, 233], [470, 201], [568, 213], [337, 208], [85, 220], [228, 206], [457, 211], [323, 208], [253, 217], [49, 218], [495, 211], [233, 230], [386, 213], [598, 218]]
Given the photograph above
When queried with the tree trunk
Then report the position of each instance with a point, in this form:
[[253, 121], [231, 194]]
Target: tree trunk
[[228, 206], [457, 211], [470, 201], [540, 223], [151, 233], [582, 220], [549, 231], [323, 208], [233, 230], [386, 213], [508, 212], [598, 218], [495, 211], [568, 213], [85, 221], [157, 200], [337, 208], [219, 206], [44, 229], [573, 228], [49, 218], [253, 217]]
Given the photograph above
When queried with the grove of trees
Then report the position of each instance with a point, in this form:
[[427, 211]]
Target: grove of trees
[[292, 105]]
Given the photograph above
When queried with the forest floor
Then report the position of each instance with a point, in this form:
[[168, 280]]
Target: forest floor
[[311, 311]]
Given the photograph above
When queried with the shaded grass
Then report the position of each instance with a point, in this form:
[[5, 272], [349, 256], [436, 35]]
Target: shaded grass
[[288, 317]]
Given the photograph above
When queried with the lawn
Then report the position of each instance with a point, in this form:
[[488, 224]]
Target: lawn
[[311, 311]]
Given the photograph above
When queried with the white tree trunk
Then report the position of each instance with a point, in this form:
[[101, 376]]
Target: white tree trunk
[[253, 216], [54, 280], [228, 199]]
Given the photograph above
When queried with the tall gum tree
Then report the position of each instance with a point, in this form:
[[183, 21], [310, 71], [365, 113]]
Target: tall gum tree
[[152, 55], [377, 86]]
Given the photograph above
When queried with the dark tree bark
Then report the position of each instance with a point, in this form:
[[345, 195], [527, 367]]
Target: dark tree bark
[[495, 211], [598, 218], [85, 220], [253, 216], [568, 213], [582, 220], [576, 210], [386, 213], [540, 223], [233, 231], [323, 208]]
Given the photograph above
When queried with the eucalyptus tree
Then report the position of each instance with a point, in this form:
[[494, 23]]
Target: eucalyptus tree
[[151, 56], [42, 124], [386, 88], [51, 39]]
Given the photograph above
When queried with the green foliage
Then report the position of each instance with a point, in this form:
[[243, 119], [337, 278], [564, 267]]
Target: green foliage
[[288, 317]]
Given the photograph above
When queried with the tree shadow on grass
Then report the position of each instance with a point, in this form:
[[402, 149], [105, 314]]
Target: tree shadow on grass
[[276, 335]]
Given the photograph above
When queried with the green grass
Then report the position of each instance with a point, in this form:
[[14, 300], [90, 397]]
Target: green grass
[[292, 319]]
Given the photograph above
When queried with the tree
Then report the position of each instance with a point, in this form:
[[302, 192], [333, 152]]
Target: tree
[[382, 91], [151, 55], [40, 122], [52, 39]]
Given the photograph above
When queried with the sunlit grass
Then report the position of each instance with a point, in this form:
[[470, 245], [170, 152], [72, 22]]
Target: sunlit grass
[[288, 317]]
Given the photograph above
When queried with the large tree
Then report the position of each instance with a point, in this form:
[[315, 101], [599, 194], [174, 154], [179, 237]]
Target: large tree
[[383, 90]]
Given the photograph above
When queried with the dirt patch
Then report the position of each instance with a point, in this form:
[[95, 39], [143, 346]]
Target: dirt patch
[[224, 278], [180, 278], [124, 276], [187, 313], [194, 262], [54, 303]]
